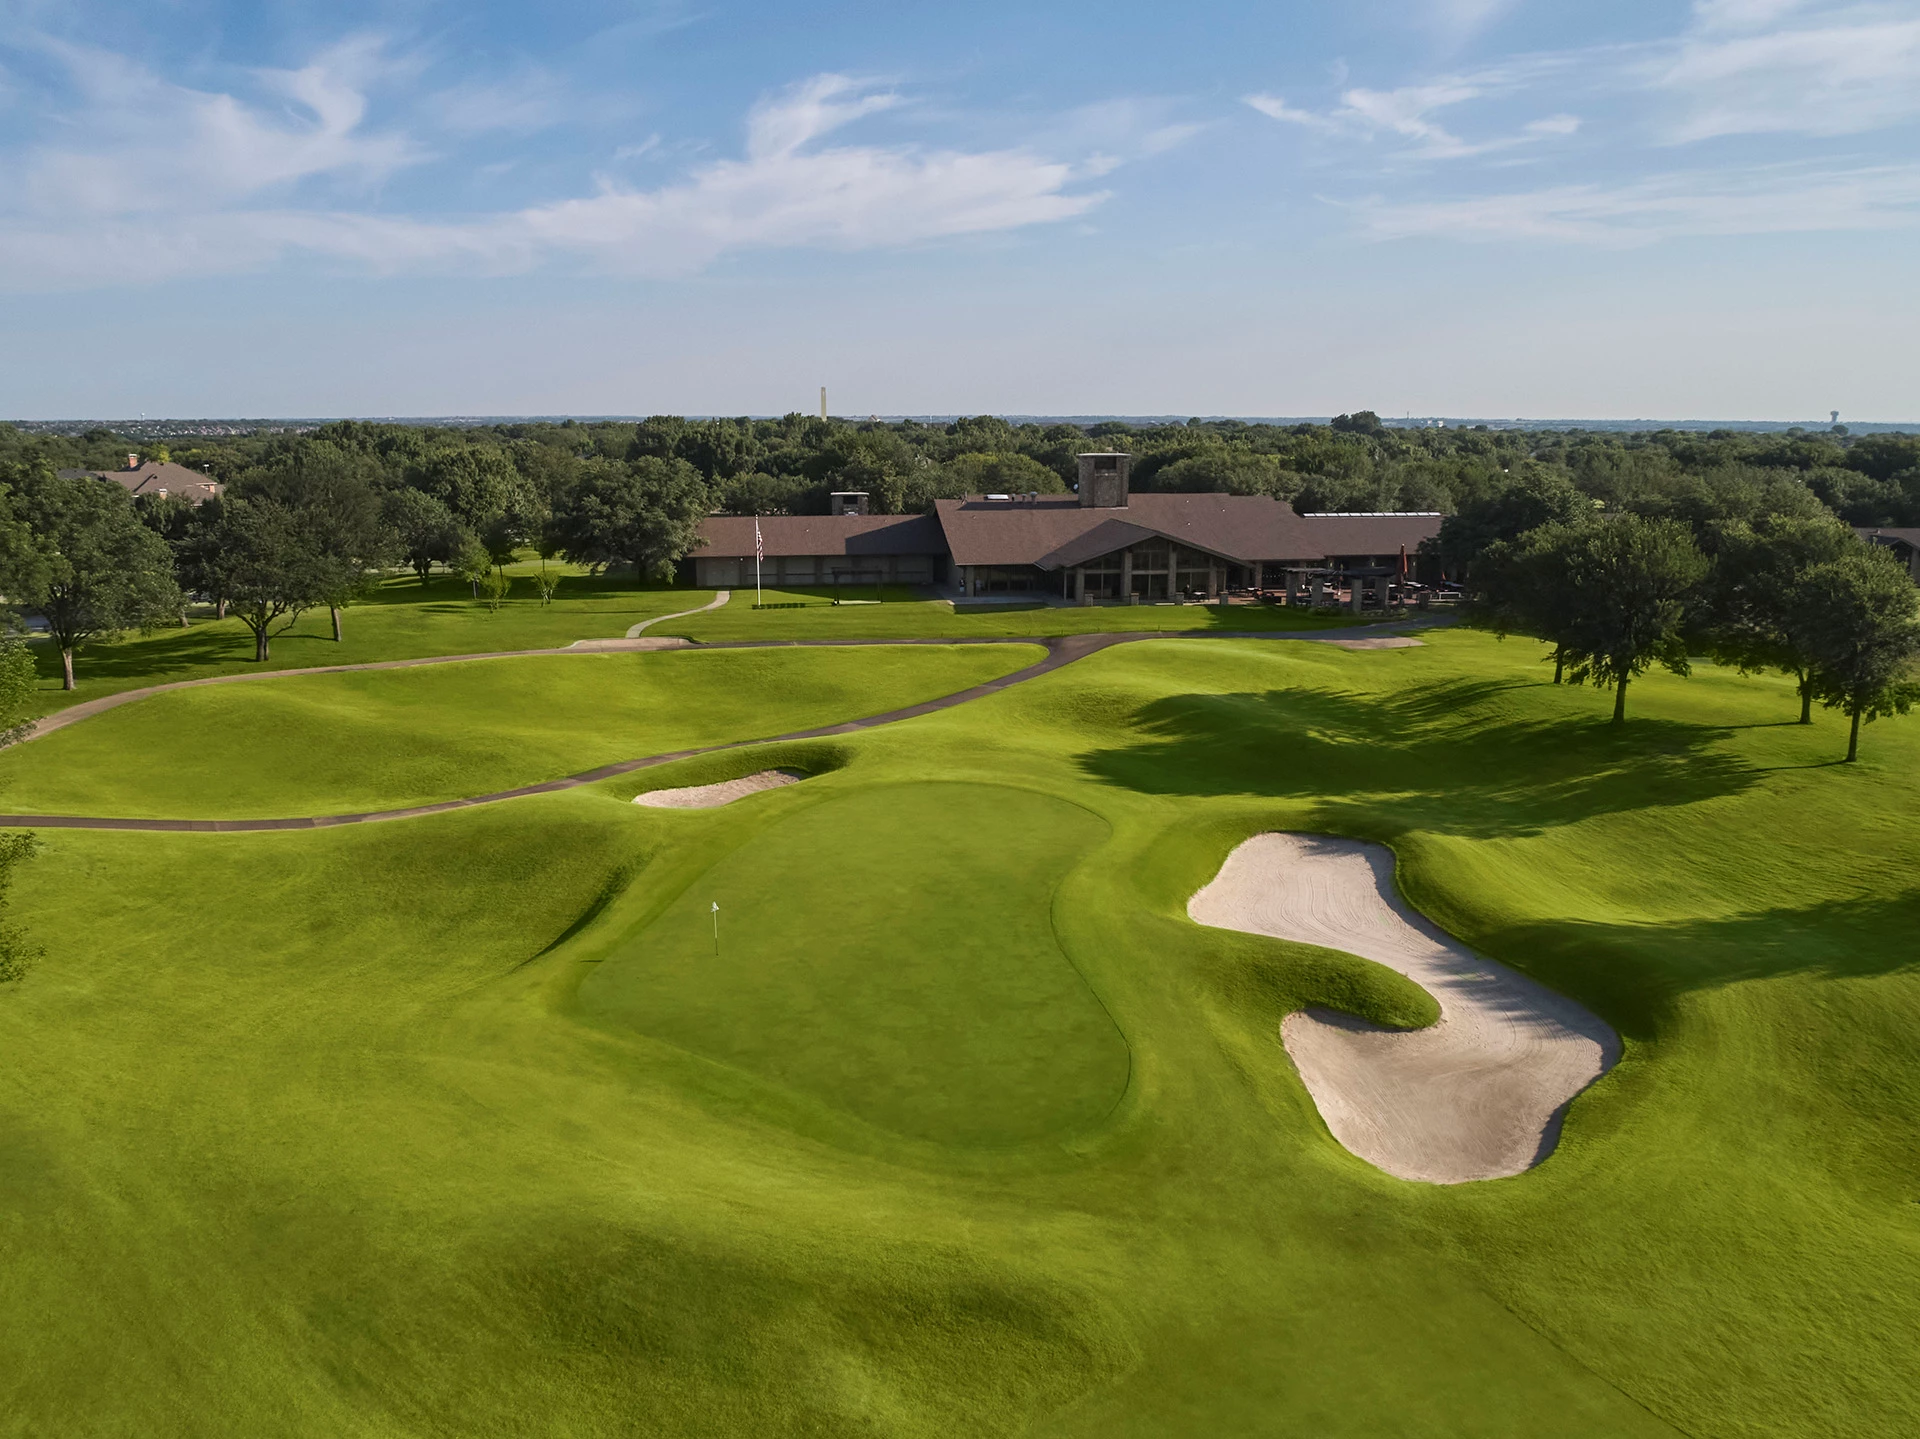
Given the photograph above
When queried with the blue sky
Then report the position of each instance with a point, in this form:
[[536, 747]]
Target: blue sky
[[1484, 207]]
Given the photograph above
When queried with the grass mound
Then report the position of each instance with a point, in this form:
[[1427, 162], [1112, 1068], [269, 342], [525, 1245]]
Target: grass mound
[[888, 953], [380, 739]]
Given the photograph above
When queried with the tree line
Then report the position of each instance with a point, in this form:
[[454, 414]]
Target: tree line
[[313, 523], [1616, 592], [790, 465]]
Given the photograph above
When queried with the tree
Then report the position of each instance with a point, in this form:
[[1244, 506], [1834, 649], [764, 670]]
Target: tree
[[494, 585], [1861, 616], [268, 567], [17, 950], [1530, 499], [1610, 595], [88, 566], [646, 514], [425, 530], [476, 482], [337, 511], [18, 678], [1755, 620]]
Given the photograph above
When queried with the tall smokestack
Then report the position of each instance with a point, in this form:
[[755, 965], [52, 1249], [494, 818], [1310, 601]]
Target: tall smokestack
[[823, 402]]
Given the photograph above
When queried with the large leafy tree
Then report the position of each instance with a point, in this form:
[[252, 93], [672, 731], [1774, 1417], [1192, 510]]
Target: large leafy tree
[[1528, 500], [1861, 617], [331, 494], [268, 567], [1756, 616], [425, 530], [646, 514], [479, 483], [1610, 595], [86, 564]]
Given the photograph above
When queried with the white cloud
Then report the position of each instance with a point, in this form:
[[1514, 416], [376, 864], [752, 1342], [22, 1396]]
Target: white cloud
[[97, 216], [151, 141], [1408, 113], [1276, 108], [1840, 78], [1772, 200]]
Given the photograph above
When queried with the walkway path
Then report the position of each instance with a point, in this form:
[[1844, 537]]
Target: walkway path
[[720, 597], [1061, 650]]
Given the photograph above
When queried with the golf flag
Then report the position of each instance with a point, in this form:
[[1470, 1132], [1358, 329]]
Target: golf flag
[[716, 928]]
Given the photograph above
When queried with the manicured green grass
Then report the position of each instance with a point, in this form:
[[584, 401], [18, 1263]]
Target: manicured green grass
[[901, 615], [401, 620], [381, 739], [441, 1126], [841, 919]]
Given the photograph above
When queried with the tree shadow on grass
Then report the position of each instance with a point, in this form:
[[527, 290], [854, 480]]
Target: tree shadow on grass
[[1452, 759], [1634, 973]]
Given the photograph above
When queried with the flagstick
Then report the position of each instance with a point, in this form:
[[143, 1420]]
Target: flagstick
[[716, 929]]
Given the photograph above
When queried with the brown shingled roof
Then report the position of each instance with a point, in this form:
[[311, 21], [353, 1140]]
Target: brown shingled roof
[[731, 536], [1369, 534], [157, 477], [1054, 531]]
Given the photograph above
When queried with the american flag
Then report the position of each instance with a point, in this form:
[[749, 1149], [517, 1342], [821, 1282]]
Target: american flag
[[759, 550]]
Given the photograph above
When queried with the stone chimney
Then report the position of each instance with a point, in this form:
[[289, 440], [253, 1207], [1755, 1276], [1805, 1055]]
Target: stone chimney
[[1103, 480], [849, 502]]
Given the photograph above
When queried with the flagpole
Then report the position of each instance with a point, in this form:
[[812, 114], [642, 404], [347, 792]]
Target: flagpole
[[716, 929], [758, 549]]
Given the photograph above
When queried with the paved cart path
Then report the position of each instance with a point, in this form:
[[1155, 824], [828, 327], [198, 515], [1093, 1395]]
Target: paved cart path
[[1061, 650], [1477, 1095], [720, 597]]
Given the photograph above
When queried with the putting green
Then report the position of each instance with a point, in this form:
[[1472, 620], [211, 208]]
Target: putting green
[[891, 954], [375, 739]]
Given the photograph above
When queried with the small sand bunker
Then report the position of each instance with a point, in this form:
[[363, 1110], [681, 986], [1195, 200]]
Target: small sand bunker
[[711, 796], [1478, 1095], [1380, 642]]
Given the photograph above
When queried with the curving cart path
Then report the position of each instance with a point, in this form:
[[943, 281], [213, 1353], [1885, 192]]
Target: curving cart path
[[720, 597], [1478, 1095], [1061, 650]]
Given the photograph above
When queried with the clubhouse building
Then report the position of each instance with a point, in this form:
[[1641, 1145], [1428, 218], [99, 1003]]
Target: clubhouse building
[[1102, 543]]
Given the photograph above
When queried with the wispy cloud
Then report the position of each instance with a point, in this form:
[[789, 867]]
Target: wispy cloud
[[97, 213], [1409, 113], [148, 141], [1767, 200], [1839, 73]]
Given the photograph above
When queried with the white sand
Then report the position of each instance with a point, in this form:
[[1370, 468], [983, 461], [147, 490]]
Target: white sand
[[711, 796], [1379, 642], [1478, 1095]]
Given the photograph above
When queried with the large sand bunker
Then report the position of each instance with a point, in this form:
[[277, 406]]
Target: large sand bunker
[[711, 796], [1478, 1095]]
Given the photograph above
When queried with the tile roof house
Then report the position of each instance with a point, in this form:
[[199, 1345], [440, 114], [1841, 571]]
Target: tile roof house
[[156, 477], [1100, 543]]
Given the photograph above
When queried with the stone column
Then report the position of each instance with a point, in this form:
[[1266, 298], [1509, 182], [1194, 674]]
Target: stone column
[[1126, 575], [1079, 584], [1354, 586]]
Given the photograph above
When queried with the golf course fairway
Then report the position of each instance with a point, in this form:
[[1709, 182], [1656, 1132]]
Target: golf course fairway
[[459, 1126]]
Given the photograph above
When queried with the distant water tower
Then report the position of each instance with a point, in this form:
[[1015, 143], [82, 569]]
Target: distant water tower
[[1835, 417]]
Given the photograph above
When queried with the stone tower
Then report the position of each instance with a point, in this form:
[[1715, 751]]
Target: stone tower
[[1103, 480]]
